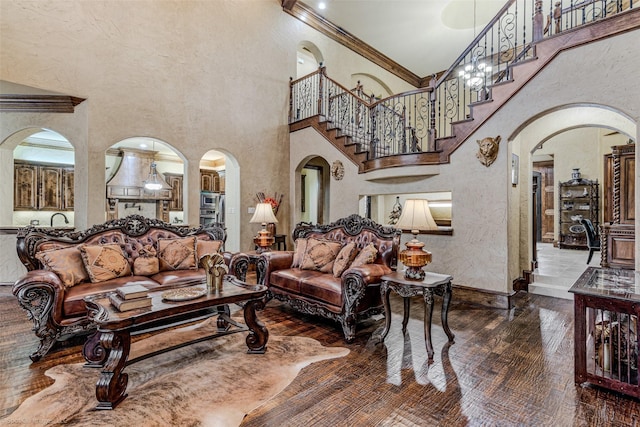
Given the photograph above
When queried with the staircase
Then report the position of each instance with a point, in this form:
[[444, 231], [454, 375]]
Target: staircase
[[425, 126]]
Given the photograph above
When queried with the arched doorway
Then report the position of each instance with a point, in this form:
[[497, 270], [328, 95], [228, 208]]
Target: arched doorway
[[308, 58], [574, 136], [313, 189], [224, 192]]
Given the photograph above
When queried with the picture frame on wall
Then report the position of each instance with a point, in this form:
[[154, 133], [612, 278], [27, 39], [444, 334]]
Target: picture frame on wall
[[515, 169]]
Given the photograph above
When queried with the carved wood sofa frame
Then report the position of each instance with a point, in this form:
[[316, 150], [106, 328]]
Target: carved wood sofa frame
[[39, 291], [360, 286]]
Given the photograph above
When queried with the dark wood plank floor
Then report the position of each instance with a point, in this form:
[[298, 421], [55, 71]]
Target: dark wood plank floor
[[506, 368]]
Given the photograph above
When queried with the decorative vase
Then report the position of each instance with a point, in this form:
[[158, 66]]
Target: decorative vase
[[215, 269], [575, 175]]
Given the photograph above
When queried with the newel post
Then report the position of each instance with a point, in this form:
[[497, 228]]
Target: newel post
[[538, 21], [320, 89]]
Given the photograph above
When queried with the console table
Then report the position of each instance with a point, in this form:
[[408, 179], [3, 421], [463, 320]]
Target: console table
[[433, 283], [607, 306]]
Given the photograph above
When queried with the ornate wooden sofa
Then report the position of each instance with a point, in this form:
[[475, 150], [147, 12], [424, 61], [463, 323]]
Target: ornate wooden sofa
[[347, 298], [54, 287]]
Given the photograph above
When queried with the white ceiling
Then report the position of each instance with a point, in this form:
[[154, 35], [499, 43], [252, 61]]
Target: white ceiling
[[424, 36]]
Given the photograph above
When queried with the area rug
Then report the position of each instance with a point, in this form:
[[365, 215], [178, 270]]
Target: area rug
[[212, 383]]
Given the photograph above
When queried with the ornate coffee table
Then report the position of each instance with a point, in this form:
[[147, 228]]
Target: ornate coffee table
[[433, 283], [109, 347]]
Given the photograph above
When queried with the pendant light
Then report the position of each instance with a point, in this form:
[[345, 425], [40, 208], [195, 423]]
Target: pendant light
[[475, 73], [152, 182]]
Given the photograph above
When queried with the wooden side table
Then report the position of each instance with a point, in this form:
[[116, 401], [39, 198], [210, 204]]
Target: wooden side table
[[433, 283]]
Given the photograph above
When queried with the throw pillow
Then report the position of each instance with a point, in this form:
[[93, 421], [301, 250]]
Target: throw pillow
[[344, 258], [367, 255], [177, 254], [204, 247], [301, 248], [104, 262], [66, 263], [320, 255], [146, 266]]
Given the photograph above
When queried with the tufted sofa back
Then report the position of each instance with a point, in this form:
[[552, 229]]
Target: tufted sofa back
[[131, 233], [360, 230]]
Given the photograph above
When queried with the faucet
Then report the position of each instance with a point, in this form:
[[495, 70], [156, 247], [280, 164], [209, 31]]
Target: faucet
[[66, 221]]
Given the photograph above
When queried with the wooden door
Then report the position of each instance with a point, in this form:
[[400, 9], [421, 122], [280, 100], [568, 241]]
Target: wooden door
[[547, 208], [25, 180], [50, 194]]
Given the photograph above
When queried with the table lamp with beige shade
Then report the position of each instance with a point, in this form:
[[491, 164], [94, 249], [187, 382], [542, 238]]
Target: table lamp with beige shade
[[416, 216], [264, 215]]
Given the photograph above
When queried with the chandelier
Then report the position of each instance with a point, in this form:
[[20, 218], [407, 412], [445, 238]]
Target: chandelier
[[475, 74], [152, 182]]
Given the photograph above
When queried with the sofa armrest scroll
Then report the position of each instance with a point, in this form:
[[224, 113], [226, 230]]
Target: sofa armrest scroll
[[41, 293], [269, 262], [370, 273]]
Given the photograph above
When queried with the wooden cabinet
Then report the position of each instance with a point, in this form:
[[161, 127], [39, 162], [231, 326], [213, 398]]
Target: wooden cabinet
[[618, 232], [579, 199], [25, 187], [68, 181], [209, 180], [175, 181], [42, 187]]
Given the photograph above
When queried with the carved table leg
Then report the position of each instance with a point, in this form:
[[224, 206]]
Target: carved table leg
[[224, 313], [258, 333], [405, 319], [384, 293], [93, 352], [112, 384], [444, 314], [428, 314]]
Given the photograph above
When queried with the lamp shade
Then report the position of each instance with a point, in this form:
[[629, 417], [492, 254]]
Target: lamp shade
[[263, 214], [416, 216]]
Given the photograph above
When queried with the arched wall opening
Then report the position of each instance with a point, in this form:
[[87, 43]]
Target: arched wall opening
[[227, 208], [42, 161], [308, 58], [312, 189], [558, 126]]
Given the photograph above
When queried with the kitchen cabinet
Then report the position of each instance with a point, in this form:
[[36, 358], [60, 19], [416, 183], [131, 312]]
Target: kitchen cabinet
[[579, 198], [175, 181], [40, 186], [209, 180]]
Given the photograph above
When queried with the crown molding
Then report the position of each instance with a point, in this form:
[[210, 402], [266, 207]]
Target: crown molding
[[38, 103], [307, 15]]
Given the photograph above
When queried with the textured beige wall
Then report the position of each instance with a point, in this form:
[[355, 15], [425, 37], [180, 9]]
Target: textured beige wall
[[198, 75], [214, 75]]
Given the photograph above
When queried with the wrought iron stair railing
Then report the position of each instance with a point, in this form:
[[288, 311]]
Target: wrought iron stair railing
[[419, 121]]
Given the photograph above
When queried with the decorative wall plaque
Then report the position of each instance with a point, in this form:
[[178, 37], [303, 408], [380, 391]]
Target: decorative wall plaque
[[337, 170]]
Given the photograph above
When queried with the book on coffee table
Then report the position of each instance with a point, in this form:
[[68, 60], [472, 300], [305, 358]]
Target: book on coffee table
[[132, 292], [129, 304]]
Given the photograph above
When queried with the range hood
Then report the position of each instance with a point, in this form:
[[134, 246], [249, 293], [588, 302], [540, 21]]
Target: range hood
[[128, 181]]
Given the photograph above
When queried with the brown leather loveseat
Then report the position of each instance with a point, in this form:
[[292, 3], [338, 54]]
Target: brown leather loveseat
[[59, 276], [345, 294]]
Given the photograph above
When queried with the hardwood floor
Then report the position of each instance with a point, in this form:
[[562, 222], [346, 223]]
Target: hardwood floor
[[506, 368]]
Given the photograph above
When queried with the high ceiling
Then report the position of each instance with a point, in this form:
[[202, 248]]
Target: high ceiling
[[424, 36]]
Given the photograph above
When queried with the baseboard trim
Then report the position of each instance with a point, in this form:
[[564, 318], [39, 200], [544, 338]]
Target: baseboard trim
[[482, 297]]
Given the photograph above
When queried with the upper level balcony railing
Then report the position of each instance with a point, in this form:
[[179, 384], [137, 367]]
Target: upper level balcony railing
[[413, 121]]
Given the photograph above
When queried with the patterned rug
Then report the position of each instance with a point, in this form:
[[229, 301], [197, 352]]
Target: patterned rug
[[212, 383]]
